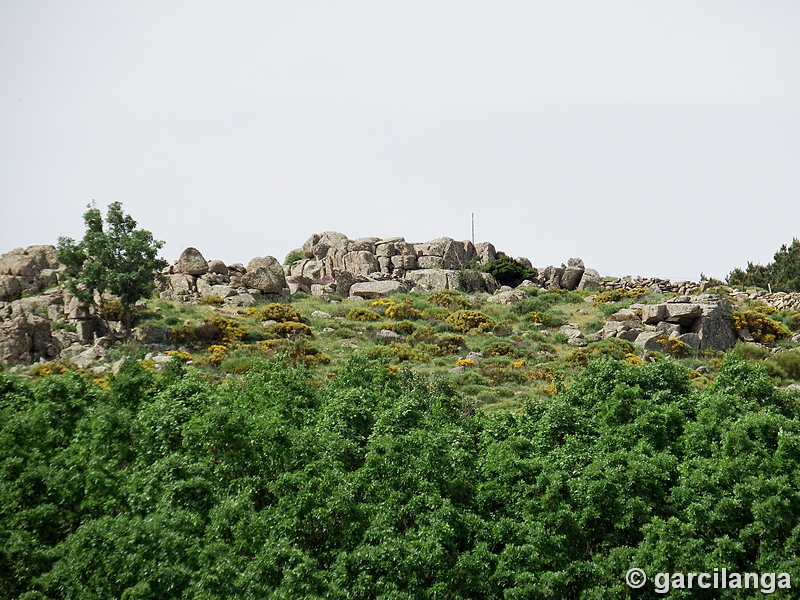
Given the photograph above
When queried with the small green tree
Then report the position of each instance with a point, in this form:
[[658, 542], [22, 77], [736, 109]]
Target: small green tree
[[782, 275], [115, 258]]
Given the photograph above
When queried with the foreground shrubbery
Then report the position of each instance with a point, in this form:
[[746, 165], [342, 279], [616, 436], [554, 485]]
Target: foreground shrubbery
[[385, 484]]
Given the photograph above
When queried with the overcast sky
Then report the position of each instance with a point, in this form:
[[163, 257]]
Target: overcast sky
[[648, 138]]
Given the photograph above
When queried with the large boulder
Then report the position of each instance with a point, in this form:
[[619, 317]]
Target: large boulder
[[509, 297], [486, 252], [590, 281], [191, 262], [319, 244], [433, 280], [265, 274], [29, 262], [218, 267], [27, 271], [10, 288], [707, 316], [454, 255], [430, 262], [360, 262], [26, 336], [715, 326], [573, 274], [378, 289]]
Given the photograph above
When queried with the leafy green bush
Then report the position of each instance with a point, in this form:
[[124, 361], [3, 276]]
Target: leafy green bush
[[508, 271], [293, 256], [785, 364]]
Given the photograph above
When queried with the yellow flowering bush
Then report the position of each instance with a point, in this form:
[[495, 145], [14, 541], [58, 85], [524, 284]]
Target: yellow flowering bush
[[449, 299], [282, 313], [363, 314], [466, 321], [673, 346], [289, 330], [761, 327]]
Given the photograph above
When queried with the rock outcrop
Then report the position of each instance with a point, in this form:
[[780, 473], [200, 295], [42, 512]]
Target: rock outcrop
[[703, 322]]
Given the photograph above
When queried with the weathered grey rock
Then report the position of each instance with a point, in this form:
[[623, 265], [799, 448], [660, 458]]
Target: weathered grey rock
[[576, 263], [366, 244], [191, 262], [511, 296], [486, 252], [715, 327], [550, 277], [223, 291], [150, 335], [653, 313], [574, 335], [181, 284], [691, 339], [629, 334], [647, 340], [626, 314], [683, 314], [378, 289], [387, 335], [360, 262], [571, 278], [405, 262], [524, 261], [29, 262], [298, 284], [454, 255], [10, 288], [433, 280], [590, 281], [241, 299], [97, 353], [668, 328], [320, 314], [430, 262], [266, 275], [218, 267], [25, 337]]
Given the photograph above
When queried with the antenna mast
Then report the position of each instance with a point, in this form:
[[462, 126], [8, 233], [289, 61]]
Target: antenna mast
[[473, 229]]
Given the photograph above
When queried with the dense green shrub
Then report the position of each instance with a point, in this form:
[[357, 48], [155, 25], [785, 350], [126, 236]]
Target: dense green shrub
[[508, 271], [294, 256]]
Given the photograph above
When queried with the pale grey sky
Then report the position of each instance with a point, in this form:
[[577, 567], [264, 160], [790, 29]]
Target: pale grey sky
[[648, 138]]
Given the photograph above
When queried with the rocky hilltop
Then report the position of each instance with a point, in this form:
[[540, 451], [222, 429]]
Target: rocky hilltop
[[41, 320]]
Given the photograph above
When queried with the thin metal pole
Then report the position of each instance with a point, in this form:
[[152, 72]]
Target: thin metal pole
[[473, 229]]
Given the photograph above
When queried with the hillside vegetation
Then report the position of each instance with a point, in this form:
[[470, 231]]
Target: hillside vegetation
[[284, 453], [386, 483]]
